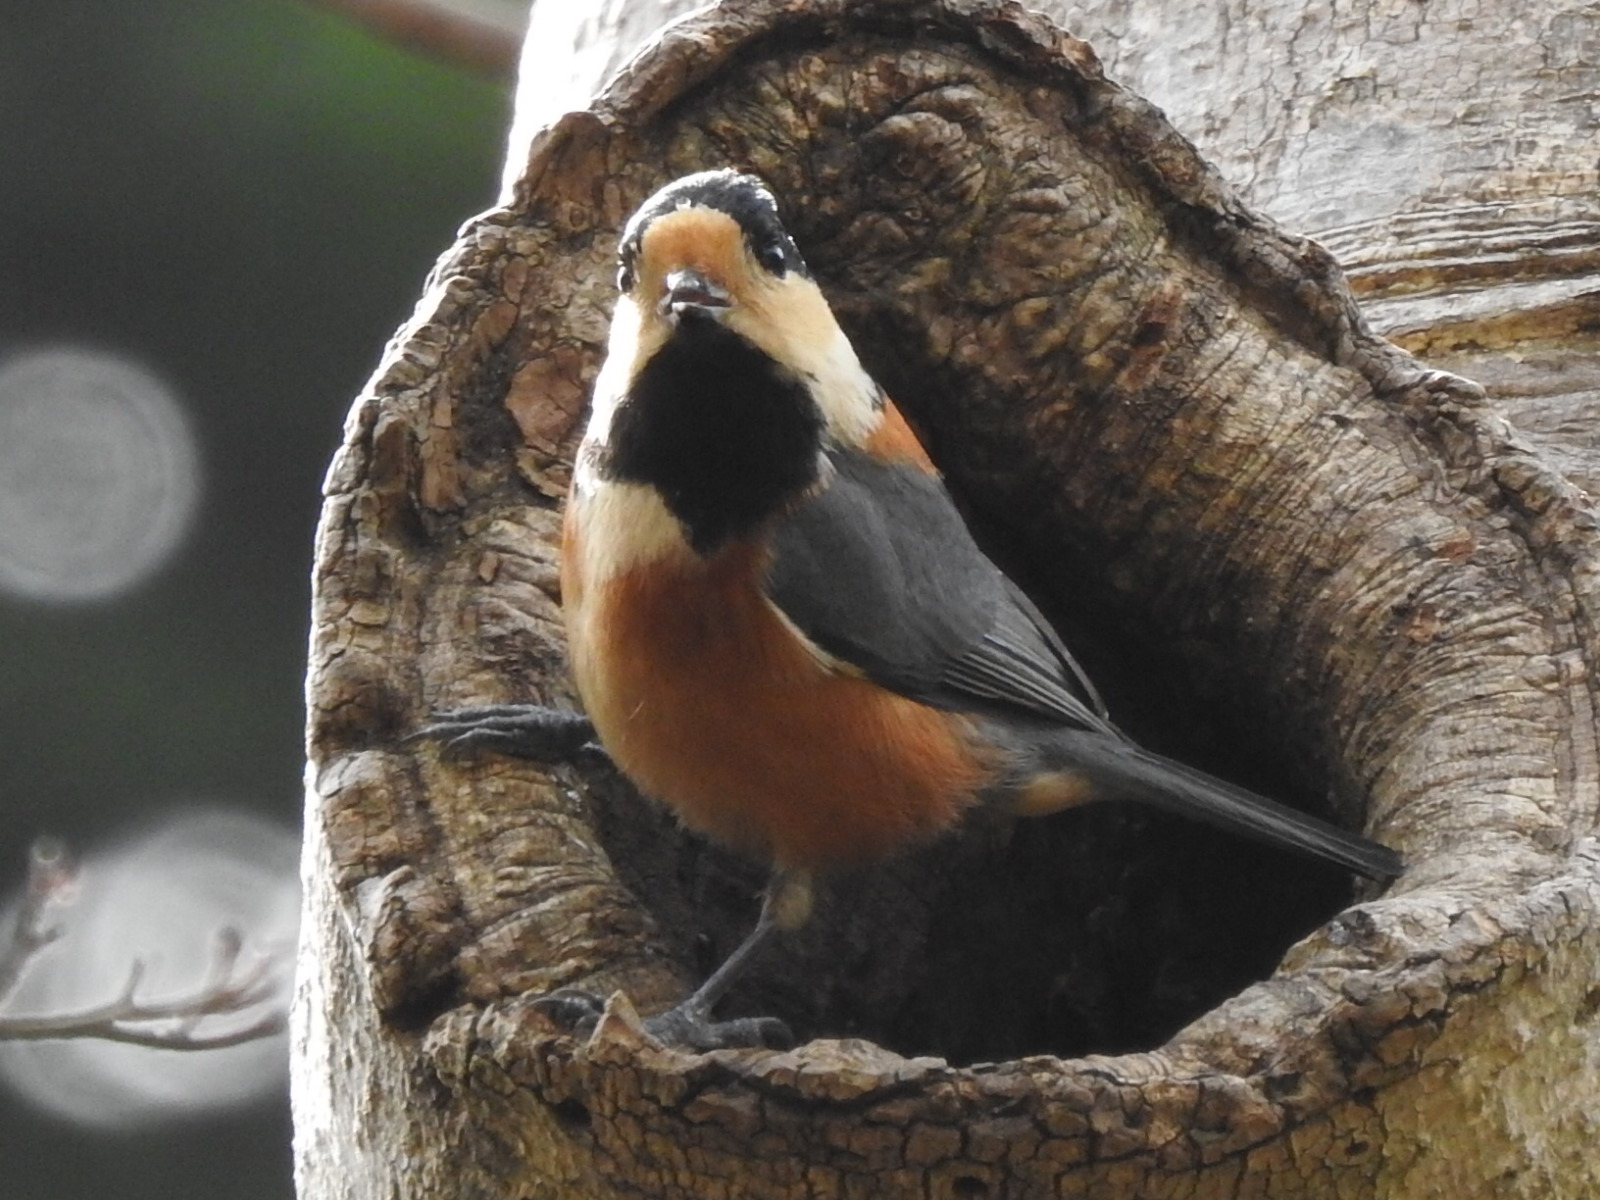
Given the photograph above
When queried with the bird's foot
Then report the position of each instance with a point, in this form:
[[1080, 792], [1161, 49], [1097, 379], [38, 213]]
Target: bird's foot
[[520, 730], [687, 1027], [573, 1009]]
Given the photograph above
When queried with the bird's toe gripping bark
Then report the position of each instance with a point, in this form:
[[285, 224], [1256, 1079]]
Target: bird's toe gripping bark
[[520, 730], [688, 1027]]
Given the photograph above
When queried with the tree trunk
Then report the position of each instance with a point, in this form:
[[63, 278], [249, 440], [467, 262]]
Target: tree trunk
[[1291, 552], [1443, 152]]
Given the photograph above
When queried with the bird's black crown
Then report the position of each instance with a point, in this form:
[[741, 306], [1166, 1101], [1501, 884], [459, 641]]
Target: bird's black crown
[[743, 197]]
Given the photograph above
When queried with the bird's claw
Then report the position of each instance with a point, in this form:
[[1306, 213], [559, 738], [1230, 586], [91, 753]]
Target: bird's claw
[[687, 1028], [573, 1009], [519, 730]]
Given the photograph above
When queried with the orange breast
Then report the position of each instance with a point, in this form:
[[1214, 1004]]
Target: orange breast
[[709, 700]]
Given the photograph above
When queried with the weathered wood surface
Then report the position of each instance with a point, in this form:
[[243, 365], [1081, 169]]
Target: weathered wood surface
[[1291, 551], [1442, 152]]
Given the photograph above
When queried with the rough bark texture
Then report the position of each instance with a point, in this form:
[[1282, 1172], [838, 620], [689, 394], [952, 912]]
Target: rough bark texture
[[1443, 152], [1293, 553], [569, 53]]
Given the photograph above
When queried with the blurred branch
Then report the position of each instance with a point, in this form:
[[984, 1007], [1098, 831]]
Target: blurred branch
[[481, 35], [50, 876], [170, 1024]]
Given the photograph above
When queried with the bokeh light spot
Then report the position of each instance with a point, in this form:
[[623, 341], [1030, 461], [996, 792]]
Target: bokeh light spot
[[161, 900], [99, 476]]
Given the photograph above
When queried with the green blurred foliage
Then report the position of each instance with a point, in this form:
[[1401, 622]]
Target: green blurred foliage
[[245, 196]]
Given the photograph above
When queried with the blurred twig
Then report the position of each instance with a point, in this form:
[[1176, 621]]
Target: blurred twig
[[50, 876], [170, 1024], [482, 35]]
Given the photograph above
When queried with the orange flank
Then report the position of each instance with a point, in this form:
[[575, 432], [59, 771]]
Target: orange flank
[[710, 700], [894, 441]]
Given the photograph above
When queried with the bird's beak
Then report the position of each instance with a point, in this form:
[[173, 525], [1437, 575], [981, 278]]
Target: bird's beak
[[689, 293]]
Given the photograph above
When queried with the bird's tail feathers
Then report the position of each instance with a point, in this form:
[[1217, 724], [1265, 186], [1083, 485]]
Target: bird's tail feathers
[[1123, 770]]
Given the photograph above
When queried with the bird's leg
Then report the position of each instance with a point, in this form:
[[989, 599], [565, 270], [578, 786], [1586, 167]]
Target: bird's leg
[[520, 730], [786, 907]]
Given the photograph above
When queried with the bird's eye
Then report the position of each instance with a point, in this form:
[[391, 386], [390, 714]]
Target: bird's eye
[[772, 257], [625, 276]]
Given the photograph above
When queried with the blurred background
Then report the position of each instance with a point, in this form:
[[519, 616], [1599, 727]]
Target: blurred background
[[212, 218]]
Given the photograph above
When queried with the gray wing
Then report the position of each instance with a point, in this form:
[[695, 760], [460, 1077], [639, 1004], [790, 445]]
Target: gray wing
[[879, 570]]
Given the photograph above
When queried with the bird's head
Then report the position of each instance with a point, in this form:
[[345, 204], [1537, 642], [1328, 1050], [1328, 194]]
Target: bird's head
[[711, 246], [710, 252]]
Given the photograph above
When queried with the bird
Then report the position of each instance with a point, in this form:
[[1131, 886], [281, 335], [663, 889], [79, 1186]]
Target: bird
[[778, 621]]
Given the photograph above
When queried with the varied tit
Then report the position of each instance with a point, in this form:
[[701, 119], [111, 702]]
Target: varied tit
[[778, 622]]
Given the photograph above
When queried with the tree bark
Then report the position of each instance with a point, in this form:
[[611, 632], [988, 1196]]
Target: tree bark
[[1292, 552], [1443, 152]]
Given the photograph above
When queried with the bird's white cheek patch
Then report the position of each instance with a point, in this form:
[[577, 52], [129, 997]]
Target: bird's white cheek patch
[[846, 394], [792, 322], [634, 340]]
